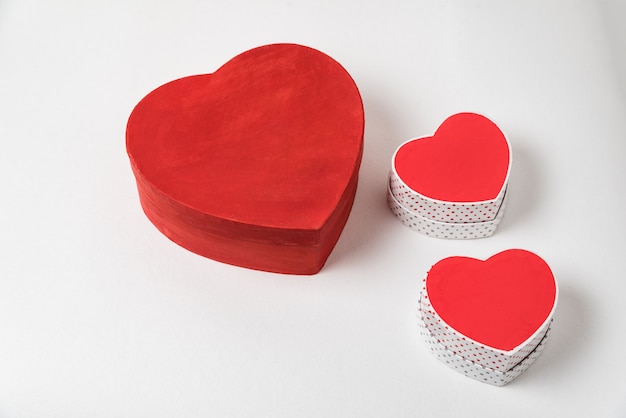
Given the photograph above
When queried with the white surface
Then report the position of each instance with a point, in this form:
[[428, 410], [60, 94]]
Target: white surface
[[101, 316]]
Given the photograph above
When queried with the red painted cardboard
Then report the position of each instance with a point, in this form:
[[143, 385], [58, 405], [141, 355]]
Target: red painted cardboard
[[500, 302], [256, 164], [466, 161]]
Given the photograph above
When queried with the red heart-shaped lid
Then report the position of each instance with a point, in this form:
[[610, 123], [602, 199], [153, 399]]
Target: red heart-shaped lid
[[254, 162], [500, 302], [466, 160]]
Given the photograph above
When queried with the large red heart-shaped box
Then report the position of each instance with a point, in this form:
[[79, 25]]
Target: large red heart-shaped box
[[494, 313], [256, 164], [458, 175]]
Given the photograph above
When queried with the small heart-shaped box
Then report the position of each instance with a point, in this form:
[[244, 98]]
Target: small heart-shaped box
[[457, 176], [495, 314], [255, 164]]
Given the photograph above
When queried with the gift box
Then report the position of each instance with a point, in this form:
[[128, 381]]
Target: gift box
[[452, 184], [256, 164], [488, 319]]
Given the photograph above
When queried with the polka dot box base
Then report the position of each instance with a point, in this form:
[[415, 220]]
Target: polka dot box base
[[475, 370], [449, 212], [466, 348], [437, 229]]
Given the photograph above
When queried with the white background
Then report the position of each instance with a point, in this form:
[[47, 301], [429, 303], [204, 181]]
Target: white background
[[102, 316]]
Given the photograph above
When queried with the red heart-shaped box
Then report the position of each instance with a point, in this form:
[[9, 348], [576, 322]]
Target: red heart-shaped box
[[256, 164], [493, 312], [458, 175]]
